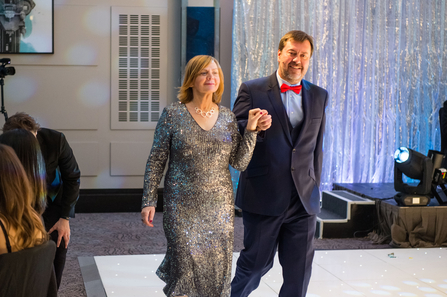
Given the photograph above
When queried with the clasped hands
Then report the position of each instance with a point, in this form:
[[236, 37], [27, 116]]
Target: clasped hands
[[258, 120]]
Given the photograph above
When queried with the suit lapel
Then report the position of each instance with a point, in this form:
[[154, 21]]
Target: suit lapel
[[306, 96], [275, 98]]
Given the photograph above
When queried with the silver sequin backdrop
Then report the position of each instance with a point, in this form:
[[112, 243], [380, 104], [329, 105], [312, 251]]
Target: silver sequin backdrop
[[383, 62]]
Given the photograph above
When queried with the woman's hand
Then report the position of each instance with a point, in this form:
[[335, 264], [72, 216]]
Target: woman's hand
[[258, 120], [265, 121], [147, 215]]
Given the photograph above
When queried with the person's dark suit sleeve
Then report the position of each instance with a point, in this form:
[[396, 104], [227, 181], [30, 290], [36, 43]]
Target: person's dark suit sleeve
[[318, 153], [241, 107], [70, 176]]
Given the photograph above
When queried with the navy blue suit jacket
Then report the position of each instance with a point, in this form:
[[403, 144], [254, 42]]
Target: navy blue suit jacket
[[278, 164]]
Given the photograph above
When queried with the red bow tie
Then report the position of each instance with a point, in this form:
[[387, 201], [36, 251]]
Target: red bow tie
[[296, 89]]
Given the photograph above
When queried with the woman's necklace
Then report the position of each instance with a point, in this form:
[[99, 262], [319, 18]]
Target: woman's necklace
[[204, 114]]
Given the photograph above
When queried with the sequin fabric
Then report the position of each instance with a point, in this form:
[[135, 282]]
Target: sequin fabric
[[198, 206]]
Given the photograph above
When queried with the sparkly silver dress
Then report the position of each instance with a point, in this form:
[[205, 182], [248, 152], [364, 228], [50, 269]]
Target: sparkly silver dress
[[198, 206]]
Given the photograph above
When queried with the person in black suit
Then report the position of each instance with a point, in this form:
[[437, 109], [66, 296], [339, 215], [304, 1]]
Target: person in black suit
[[279, 191], [63, 179]]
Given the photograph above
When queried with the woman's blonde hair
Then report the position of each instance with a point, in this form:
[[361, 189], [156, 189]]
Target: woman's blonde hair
[[16, 197], [194, 66]]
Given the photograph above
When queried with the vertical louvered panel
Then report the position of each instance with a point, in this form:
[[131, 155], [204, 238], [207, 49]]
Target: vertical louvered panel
[[138, 68]]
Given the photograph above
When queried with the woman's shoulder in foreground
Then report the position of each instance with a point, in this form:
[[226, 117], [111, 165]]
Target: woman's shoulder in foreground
[[9, 233]]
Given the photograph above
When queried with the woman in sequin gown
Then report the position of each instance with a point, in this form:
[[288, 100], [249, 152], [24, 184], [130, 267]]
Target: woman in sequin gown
[[200, 139]]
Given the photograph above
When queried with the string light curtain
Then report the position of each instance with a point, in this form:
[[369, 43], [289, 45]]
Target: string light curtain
[[383, 63]]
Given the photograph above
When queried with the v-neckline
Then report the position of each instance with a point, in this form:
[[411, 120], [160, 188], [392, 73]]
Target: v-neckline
[[194, 120]]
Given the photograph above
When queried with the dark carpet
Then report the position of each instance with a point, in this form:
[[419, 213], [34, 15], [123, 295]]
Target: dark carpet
[[100, 234]]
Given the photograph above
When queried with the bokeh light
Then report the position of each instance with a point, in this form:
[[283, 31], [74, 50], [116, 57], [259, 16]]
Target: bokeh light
[[94, 94], [19, 89], [81, 53], [97, 21]]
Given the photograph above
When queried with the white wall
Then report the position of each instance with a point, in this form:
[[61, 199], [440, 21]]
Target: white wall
[[70, 90]]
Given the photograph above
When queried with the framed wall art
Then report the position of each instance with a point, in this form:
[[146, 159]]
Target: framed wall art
[[26, 27]]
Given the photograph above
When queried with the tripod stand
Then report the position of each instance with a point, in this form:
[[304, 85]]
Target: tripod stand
[[3, 110]]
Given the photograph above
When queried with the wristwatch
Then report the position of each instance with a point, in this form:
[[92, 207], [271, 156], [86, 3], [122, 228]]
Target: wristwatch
[[66, 218]]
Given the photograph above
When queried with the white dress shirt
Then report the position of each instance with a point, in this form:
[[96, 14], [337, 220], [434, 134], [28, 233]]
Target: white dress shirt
[[293, 103]]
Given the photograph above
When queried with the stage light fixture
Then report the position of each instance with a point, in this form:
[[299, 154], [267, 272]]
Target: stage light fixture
[[416, 166], [401, 155]]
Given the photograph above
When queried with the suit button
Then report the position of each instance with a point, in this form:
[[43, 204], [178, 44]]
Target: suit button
[[293, 169], [294, 150]]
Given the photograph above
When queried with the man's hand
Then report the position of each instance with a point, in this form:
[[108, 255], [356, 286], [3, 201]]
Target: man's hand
[[63, 230]]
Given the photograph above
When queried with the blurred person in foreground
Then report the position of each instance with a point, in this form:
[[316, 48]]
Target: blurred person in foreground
[[27, 149], [17, 217], [63, 179], [26, 255]]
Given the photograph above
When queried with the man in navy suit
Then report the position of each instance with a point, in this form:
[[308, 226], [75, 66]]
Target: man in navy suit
[[279, 191]]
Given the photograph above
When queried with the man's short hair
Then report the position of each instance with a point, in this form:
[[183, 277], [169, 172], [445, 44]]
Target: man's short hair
[[21, 120], [298, 36]]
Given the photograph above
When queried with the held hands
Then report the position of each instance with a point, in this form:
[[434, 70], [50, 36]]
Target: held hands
[[265, 121], [147, 215], [258, 120]]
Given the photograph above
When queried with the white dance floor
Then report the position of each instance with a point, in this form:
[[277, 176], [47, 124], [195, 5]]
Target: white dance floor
[[387, 272]]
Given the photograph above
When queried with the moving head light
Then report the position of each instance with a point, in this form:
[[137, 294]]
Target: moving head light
[[430, 170], [416, 166]]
